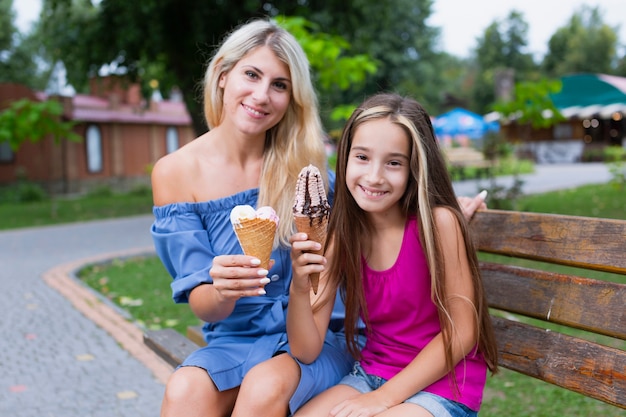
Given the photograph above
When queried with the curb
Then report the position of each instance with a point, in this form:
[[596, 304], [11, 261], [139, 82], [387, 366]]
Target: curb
[[128, 335]]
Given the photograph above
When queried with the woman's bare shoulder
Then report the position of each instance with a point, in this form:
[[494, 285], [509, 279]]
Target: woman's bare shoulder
[[171, 176]]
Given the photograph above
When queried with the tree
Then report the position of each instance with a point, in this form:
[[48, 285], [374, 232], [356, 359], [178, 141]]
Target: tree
[[396, 35], [17, 52], [531, 105], [167, 40], [26, 120], [502, 47], [585, 44]]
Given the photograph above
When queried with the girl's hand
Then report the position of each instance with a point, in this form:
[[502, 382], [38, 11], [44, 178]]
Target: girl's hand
[[364, 405], [236, 276], [304, 262]]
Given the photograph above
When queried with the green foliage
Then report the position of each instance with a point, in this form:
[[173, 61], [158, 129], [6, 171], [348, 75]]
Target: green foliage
[[616, 159], [327, 54], [501, 47], [584, 44], [22, 192], [33, 120], [532, 104]]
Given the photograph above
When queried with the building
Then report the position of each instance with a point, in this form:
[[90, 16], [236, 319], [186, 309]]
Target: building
[[594, 106], [122, 138]]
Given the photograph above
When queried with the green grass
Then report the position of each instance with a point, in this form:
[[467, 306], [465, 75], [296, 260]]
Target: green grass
[[67, 210], [141, 287]]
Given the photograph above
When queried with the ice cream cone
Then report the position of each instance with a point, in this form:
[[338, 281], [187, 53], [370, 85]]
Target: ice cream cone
[[315, 228], [256, 237]]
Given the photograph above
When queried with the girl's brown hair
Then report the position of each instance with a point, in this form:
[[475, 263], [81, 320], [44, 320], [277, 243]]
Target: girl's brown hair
[[429, 186]]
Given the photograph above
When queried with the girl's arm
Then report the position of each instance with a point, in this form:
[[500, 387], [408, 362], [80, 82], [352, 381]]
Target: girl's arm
[[306, 329], [430, 364]]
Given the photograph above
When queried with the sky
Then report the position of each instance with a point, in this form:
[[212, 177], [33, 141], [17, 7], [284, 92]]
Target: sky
[[462, 22]]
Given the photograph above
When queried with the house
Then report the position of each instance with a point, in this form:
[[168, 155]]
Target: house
[[594, 106], [122, 138]]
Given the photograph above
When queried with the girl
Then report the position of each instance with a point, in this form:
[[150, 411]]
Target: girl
[[400, 253]]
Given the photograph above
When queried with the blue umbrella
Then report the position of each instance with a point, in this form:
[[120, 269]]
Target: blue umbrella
[[463, 122]]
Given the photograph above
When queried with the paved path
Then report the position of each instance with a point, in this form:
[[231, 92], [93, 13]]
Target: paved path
[[65, 353], [547, 177], [54, 360]]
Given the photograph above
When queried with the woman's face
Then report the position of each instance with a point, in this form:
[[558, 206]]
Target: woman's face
[[377, 172], [257, 91]]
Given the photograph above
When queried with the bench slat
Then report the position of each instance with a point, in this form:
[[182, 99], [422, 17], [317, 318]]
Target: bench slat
[[170, 345], [582, 303], [585, 242], [593, 370], [194, 333]]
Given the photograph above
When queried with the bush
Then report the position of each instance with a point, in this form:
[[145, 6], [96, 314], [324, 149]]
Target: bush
[[23, 192]]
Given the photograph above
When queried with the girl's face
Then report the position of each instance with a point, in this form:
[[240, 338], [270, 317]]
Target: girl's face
[[377, 172], [257, 91]]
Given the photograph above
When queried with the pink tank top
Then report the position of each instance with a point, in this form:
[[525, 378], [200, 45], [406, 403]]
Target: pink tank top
[[404, 319]]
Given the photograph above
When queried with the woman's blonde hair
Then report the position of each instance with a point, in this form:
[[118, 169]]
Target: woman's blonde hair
[[297, 139]]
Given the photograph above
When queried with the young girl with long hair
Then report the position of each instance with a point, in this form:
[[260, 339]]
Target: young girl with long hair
[[400, 253]]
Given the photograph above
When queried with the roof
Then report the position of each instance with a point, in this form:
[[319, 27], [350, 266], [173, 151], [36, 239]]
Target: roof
[[584, 95], [459, 121]]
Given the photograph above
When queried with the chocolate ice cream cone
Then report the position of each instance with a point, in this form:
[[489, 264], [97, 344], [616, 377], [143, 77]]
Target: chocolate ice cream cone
[[315, 228]]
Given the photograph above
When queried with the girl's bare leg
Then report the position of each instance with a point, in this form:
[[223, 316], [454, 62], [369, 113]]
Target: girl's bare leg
[[190, 392], [268, 387], [323, 403]]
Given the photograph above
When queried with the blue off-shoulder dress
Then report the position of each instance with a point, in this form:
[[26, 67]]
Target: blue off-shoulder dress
[[187, 236]]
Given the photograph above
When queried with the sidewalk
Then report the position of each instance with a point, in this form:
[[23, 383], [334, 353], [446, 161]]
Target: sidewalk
[[547, 177], [55, 360], [64, 353]]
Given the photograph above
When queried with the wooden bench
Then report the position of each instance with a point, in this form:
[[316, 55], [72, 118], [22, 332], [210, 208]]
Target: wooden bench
[[461, 158], [527, 302]]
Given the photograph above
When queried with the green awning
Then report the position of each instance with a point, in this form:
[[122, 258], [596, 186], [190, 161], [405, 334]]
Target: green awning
[[583, 90]]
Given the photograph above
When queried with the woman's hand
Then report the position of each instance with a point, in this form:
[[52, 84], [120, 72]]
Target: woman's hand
[[469, 205], [304, 262], [236, 276]]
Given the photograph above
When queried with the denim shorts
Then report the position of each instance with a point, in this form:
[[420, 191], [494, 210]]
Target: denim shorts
[[436, 405]]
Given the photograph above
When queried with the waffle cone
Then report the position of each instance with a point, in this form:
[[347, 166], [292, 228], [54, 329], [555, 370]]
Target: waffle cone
[[315, 228], [256, 237]]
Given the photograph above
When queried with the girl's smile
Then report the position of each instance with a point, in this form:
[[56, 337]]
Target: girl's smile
[[377, 172]]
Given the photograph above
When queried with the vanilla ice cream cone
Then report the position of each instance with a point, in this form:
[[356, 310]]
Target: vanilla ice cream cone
[[256, 237], [255, 230]]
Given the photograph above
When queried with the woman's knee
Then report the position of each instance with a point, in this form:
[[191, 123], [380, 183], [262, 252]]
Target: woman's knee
[[187, 382], [191, 388]]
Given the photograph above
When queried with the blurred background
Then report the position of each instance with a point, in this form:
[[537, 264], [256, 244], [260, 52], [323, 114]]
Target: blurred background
[[92, 93]]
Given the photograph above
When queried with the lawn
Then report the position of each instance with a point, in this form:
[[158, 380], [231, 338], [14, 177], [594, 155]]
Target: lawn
[[97, 205]]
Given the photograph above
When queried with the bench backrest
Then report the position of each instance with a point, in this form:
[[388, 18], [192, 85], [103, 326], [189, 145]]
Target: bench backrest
[[594, 366]]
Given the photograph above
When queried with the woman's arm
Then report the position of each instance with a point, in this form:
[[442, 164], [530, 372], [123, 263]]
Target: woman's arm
[[469, 205], [306, 329], [230, 277]]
